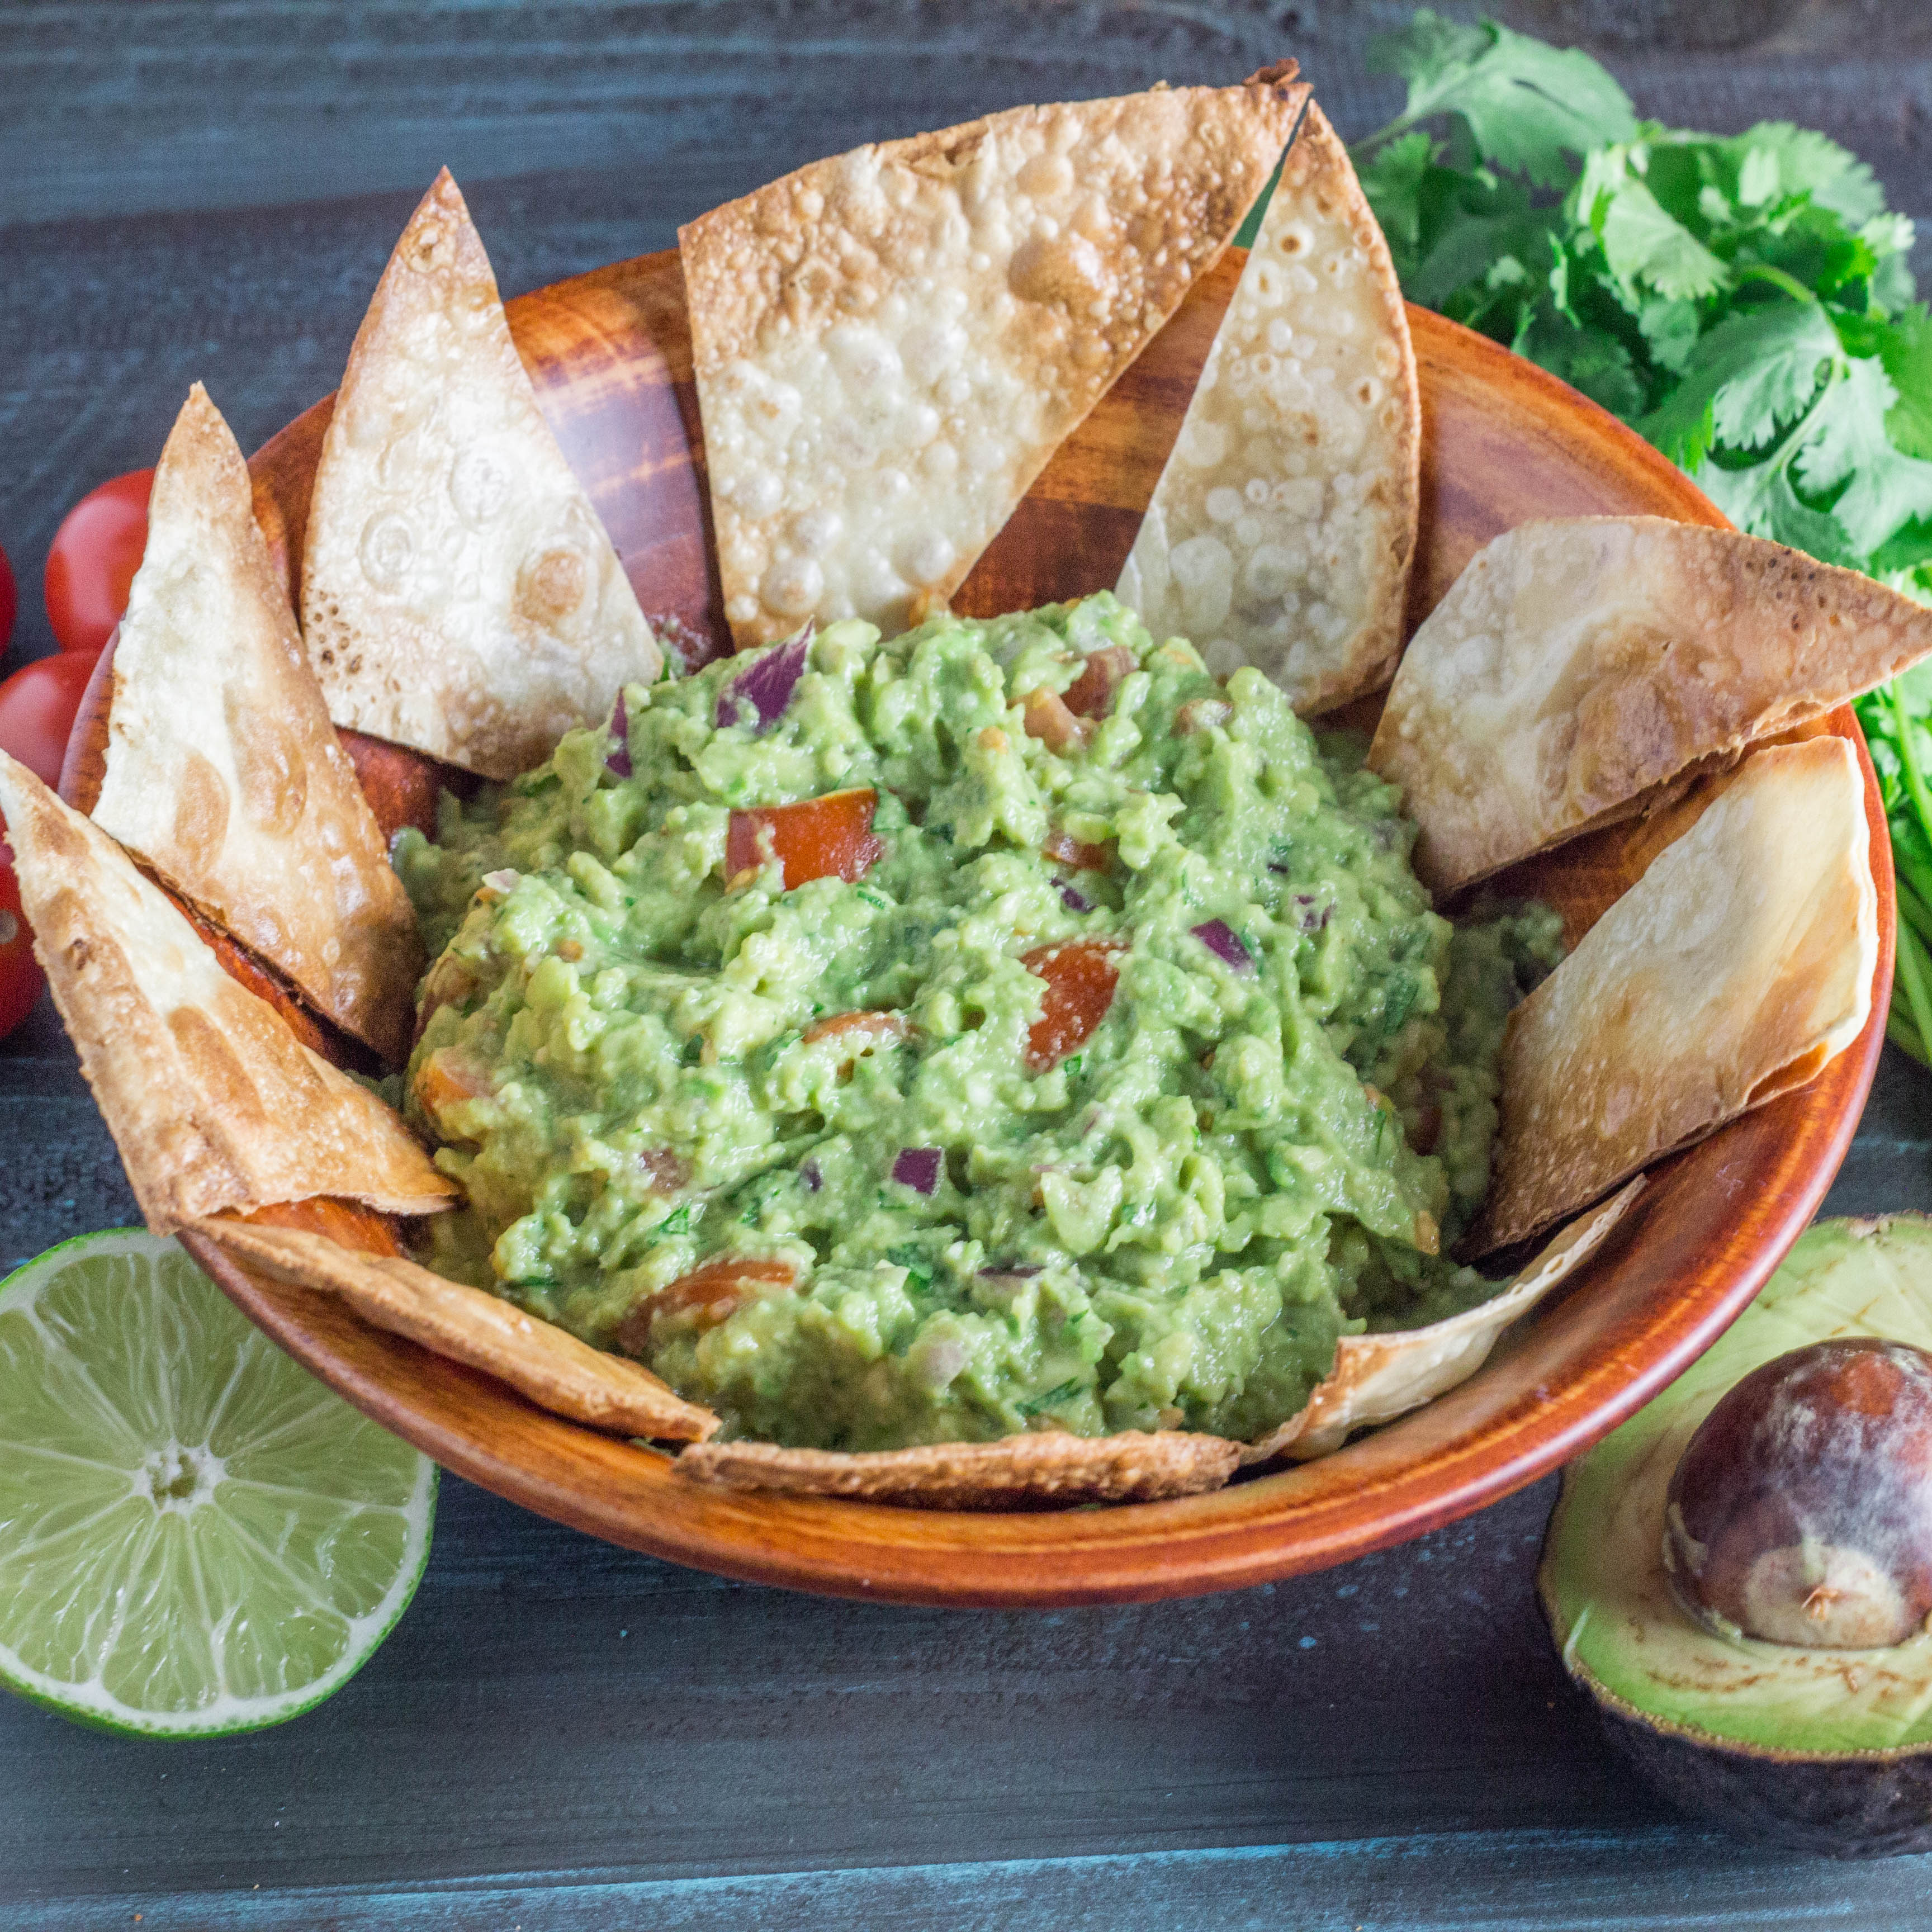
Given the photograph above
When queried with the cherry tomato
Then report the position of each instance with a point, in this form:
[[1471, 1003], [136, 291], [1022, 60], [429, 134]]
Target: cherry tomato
[[38, 705], [1081, 977], [20, 980], [96, 552], [828, 838], [10, 600]]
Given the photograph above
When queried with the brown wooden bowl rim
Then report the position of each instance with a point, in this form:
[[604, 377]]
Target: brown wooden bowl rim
[[1257, 1530]]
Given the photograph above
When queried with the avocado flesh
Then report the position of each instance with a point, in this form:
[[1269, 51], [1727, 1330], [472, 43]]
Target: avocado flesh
[[1827, 1750]]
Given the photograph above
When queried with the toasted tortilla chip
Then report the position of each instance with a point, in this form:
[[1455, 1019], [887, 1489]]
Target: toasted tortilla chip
[[223, 770], [1377, 1378], [1732, 972], [1017, 1472], [1578, 667], [1282, 528], [213, 1103], [539, 1360], [459, 592], [889, 344]]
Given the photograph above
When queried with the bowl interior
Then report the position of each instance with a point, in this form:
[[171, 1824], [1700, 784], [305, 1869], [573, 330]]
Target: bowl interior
[[610, 353]]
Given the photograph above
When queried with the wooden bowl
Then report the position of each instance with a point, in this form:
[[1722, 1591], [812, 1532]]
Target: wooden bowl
[[610, 353]]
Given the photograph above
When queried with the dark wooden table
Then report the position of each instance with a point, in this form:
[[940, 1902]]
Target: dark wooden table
[[562, 1734]]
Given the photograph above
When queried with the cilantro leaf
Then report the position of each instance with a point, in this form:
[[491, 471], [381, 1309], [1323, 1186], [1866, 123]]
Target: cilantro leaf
[[1783, 159], [1905, 348], [1846, 444], [1526, 105], [1906, 549], [1760, 499], [1587, 359], [1754, 372], [1392, 179], [1642, 243]]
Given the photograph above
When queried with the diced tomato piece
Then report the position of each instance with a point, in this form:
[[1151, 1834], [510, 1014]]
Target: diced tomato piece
[[446, 1078], [879, 1026], [1201, 714], [1091, 693], [1081, 977], [828, 838], [712, 1294], [1046, 717], [1069, 850]]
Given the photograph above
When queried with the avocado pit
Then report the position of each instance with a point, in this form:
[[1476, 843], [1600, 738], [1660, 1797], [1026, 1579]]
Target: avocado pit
[[1801, 1512]]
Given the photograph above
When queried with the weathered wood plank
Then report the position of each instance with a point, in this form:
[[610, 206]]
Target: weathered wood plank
[[1665, 1878]]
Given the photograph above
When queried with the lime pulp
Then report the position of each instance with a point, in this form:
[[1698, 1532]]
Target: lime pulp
[[196, 1537]]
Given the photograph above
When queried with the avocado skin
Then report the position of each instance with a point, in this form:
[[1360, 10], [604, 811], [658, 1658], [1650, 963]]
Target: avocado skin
[[1855, 1805]]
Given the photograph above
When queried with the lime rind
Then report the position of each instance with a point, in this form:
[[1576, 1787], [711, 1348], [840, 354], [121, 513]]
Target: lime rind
[[196, 1537]]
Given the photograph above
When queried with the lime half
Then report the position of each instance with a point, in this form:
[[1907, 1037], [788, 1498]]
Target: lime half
[[196, 1536]]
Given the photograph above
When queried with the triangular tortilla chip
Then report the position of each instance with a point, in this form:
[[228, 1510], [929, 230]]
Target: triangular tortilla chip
[[1017, 1472], [1732, 972], [459, 592], [223, 770], [1578, 667], [1282, 528], [554, 1369], [1377, 1378], [213, 1103], [890, 344]]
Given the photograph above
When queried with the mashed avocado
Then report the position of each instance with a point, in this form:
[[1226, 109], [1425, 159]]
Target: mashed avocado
[[1077, 1050]]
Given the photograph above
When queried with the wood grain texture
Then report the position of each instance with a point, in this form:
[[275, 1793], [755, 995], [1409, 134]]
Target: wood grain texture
[[1501, 439]]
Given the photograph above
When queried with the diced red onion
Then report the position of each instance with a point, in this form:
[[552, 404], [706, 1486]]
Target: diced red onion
[[503, 881], [1220, 939], [757, 696], [1013, 1271], [918, 1168], [618, 760], [808, 1173], [1074, 901], [1309, 919], [935, 1362]]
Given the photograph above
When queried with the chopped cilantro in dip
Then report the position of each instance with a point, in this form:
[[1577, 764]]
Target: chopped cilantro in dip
[[1004, 1026]]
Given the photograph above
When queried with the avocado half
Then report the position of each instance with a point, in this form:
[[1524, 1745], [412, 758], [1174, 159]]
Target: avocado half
[[1825, 1751]]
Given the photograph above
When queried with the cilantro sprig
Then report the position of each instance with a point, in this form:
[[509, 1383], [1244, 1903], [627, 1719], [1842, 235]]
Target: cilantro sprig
[[1743, 301]]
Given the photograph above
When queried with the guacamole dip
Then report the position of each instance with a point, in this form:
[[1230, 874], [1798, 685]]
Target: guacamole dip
[[1005, 1026]]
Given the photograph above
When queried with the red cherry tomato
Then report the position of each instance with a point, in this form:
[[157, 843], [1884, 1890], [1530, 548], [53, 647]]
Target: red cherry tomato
[[10, 600], [37, 707], [96, 552], [20, 979]]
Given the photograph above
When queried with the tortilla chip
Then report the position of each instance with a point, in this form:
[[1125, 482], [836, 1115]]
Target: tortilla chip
[[459, 592], [213, 1103], [1377, 1378], [1282, 528], [1737, 966], [1017, 1472], [890, 344], [1578, 667], [539, 1360], [223, 770]]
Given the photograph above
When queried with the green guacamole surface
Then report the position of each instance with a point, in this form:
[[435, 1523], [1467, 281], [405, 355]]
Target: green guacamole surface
[[1258, 1148]]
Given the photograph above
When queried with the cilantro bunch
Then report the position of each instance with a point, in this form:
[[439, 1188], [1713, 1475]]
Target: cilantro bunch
[[1744, 302]]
